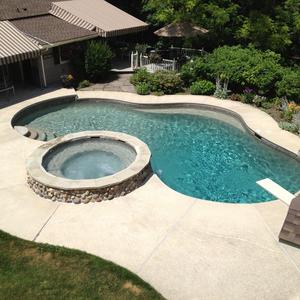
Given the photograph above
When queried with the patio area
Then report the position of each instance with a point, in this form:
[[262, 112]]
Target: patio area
[[115, 82], [184, 247]]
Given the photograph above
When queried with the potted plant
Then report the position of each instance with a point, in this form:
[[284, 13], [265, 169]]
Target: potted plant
[[67, 81]]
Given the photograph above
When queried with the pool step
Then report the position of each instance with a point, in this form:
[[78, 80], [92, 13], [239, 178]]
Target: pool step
[[42, 136], [23, 130], [33, 134], [51, 136]]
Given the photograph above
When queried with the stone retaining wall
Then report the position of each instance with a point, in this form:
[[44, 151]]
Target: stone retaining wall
[[91, 195]]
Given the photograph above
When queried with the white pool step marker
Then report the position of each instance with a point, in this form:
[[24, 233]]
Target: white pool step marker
[[275, 189]]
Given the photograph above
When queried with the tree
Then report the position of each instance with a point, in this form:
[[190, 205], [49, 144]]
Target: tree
[[264, 33], [265, 24], [98, 58]]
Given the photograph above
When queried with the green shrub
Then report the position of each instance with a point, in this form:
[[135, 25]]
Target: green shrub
[[202, 87], [161, 82], [158, 94], [276, 102], [287, 115], [98, 58], [221, 93], [68, 81], [289, 127], [259, 100], [167, 82], [289, 85], [248, 96], [221, 88], [83, 84], [296, 120], [155, 58], [194, 70], [141, 76], [143, 88], [235, 97], [289, 110], [141, 48], [268, 105], [242, 66]]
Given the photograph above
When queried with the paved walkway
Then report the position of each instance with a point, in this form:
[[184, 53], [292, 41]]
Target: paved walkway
[[186, 248], [114, 83]]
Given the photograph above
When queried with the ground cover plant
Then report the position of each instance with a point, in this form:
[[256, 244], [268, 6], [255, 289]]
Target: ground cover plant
[[38, 271]]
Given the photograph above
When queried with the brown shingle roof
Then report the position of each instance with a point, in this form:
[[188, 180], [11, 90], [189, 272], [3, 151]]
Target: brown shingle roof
[[51, 29], [97, 15], [16, 9]]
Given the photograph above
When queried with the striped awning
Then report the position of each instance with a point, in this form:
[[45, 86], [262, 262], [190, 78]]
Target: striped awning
[[99, 15], [15, 45]]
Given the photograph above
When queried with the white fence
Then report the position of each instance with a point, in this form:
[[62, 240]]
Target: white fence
[[188, 52], [134, 60], [145, 62]]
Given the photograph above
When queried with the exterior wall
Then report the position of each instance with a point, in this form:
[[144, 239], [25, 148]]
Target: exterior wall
[[53, 69]]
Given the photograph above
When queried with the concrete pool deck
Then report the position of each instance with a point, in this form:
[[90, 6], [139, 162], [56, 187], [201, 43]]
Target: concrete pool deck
[[186, 248]]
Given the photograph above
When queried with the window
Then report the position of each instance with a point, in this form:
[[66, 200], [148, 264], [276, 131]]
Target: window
[[65, 53], [62, 54]]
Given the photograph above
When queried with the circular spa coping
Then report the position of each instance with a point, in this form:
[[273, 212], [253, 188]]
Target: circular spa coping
[[63, 189]]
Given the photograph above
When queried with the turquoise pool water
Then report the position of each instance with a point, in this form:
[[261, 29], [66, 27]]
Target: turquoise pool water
[[198, 155]]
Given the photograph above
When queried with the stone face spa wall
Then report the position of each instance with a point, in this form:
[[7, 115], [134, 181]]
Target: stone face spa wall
[[91, 195]]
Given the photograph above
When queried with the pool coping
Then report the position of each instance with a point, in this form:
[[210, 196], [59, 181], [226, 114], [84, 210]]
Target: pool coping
[[36, 170]]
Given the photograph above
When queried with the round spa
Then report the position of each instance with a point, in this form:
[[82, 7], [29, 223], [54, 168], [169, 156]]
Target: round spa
[[89, 167]]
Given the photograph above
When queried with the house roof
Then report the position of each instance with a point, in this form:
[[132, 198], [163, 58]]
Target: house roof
[[49, 29], [98, 15], [14, 45], [16, 9]]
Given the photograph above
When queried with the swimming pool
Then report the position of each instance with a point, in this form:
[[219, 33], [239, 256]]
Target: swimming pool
[[200, 153]]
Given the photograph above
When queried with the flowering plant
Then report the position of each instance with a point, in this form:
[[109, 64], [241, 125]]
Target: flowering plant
[[293, 107], [248, 95], [289, 109], [67, 81]]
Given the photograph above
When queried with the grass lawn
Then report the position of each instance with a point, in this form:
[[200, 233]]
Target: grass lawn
[[38, 271]]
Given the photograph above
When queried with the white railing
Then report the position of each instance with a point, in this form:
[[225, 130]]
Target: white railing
[[143, 61], [189, 52], [134, 60], [165, 64]]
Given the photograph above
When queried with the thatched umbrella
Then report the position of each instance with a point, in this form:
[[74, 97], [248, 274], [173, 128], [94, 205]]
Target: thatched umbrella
[[180, 30]]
